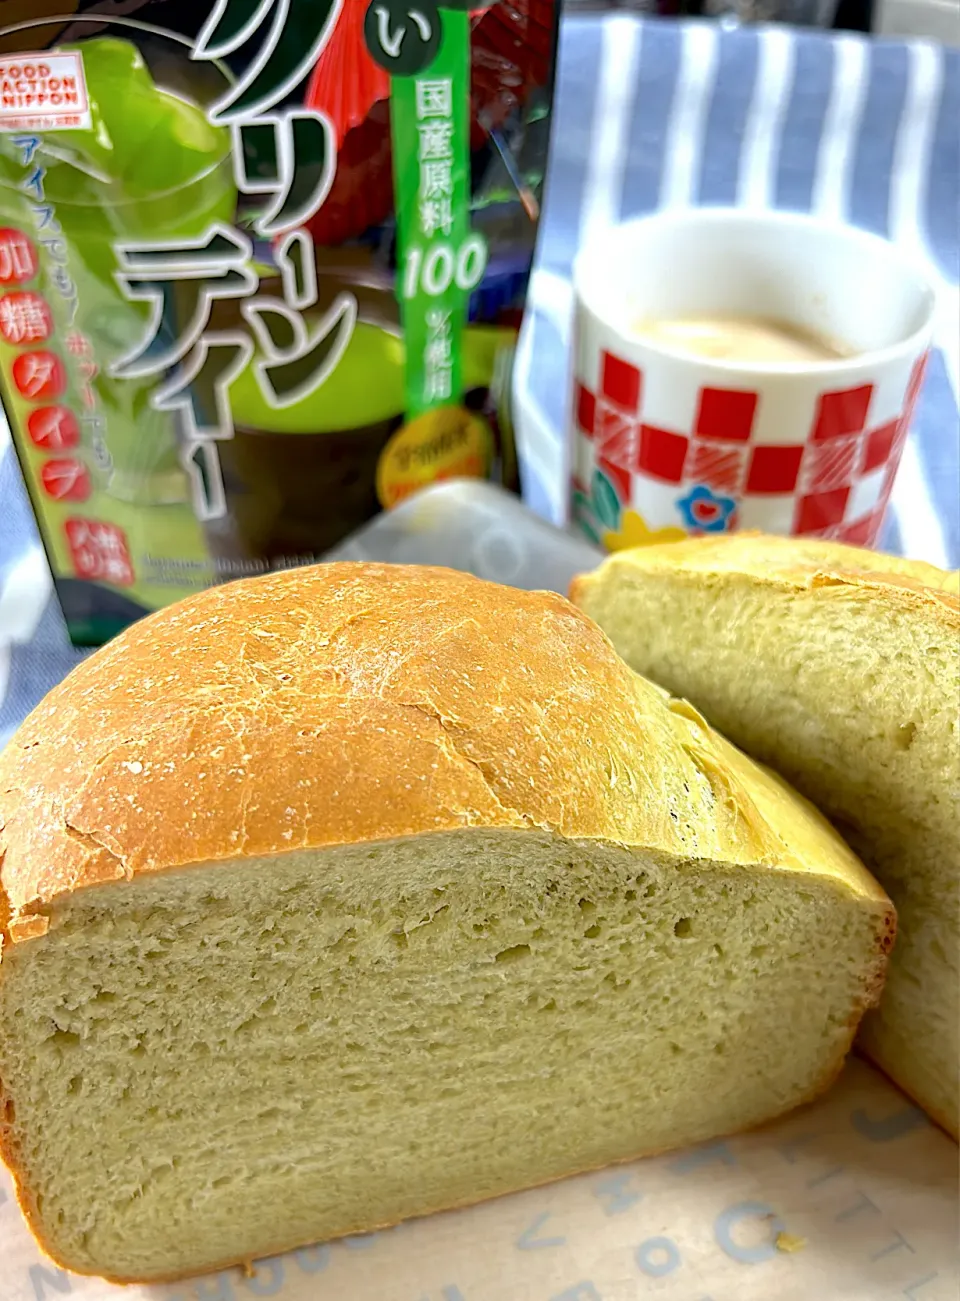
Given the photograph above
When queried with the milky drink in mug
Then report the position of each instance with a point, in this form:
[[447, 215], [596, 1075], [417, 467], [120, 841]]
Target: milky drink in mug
[[741, 370]]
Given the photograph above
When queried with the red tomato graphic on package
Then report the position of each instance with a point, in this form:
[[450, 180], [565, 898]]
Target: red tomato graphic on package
[[39, 375], [18, 257], [65, 479], [55, 429], [25, 318], [99, 551]]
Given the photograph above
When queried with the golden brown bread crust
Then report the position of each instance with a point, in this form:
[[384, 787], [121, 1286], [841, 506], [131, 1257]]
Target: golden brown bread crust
[[359, 702], [354, 702], [774, 563], [799, 563]]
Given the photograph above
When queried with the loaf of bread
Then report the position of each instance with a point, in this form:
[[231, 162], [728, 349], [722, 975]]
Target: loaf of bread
[[841, 668], [352, 893]]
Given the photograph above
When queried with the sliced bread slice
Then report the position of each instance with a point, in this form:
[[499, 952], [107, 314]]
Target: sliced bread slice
[[841, 668], [348, 894]]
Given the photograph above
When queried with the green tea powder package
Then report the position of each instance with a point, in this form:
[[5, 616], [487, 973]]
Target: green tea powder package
[[262, 267]]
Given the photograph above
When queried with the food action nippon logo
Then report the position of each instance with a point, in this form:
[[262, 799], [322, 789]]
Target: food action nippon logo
[[44, 92]]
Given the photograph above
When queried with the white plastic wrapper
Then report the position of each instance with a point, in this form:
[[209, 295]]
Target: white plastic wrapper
[[474, 526]]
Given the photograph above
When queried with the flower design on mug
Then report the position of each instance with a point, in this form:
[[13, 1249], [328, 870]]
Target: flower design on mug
[[706, 511]]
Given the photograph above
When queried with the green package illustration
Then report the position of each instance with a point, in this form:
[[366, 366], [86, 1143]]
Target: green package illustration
[[258, 283]]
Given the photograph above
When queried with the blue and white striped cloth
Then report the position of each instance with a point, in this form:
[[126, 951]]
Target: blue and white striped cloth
[[651, 114]]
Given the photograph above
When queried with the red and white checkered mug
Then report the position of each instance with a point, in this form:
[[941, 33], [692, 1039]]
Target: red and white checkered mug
[[665, 443]]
